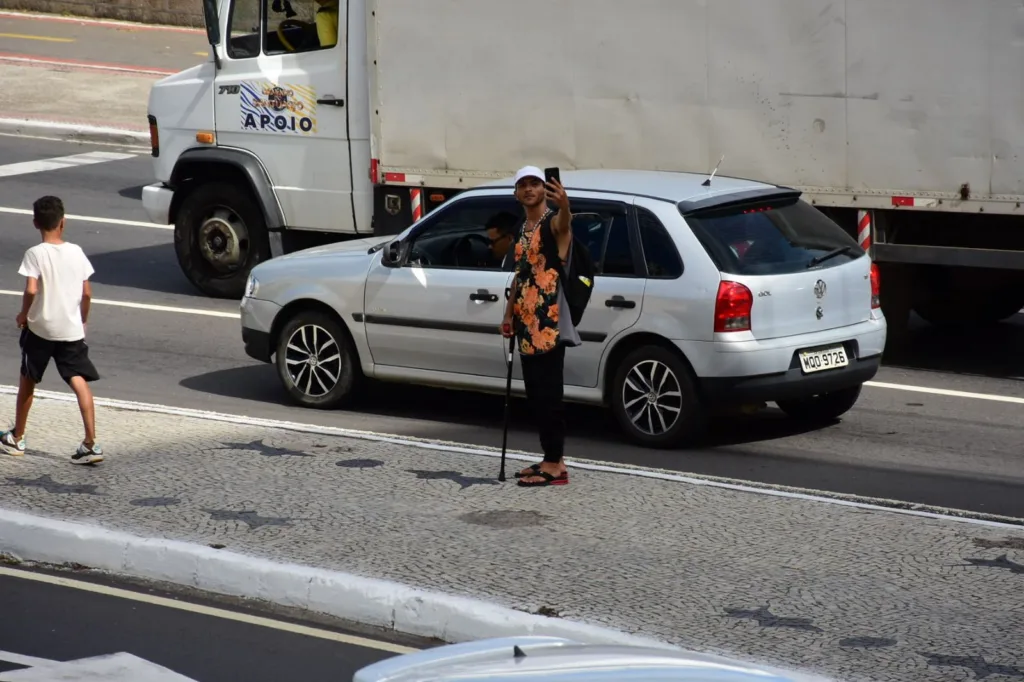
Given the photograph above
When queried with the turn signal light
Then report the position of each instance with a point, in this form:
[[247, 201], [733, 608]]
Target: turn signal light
[[204, 137], [154, 135], [732, 307], [876, 287]]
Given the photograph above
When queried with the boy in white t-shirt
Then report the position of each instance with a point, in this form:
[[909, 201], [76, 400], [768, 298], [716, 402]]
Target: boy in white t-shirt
[[54, 311]]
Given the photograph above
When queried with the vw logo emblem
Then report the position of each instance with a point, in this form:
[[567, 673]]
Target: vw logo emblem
[[819, 288]]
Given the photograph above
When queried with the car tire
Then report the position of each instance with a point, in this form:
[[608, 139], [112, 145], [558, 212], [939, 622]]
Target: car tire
[[310, 385], [213, 221], [643, 418], [825, 407]]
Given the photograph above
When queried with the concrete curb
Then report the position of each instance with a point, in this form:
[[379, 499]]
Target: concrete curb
[[367, 601], [73, 132]]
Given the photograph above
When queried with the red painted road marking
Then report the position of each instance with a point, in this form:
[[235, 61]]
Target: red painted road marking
[[33, 60]]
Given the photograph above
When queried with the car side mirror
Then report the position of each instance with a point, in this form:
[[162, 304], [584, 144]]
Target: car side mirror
[[393, 254]]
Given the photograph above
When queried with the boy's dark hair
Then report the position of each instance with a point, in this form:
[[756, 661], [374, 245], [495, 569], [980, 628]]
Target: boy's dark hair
[[504, 222], [47, 212]]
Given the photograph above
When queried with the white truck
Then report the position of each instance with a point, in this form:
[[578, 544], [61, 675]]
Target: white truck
[[322, 120]]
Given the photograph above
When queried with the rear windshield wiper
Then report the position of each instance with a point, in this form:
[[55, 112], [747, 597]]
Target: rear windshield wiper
[[831, 254]]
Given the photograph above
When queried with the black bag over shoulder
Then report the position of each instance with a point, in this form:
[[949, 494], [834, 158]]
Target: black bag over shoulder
[[577, 277]]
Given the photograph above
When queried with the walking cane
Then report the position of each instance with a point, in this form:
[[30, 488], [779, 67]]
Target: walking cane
[[508, 398]]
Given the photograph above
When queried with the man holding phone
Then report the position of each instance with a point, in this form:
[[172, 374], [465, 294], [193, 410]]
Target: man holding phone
[[538, 316]]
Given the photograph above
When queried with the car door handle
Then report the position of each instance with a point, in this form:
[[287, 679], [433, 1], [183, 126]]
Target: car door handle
[[332, 101], [619, 302], [483, 295]]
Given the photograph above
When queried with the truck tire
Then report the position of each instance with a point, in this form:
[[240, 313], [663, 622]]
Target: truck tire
[[821, 408], [897, 296], [962, 310], [219, 236], [671, 413], [316, 362]]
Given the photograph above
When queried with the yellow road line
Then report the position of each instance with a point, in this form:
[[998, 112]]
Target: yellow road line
[[49, 39], [362, 642]]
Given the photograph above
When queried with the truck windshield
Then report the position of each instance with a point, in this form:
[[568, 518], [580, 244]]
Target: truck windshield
[[772, 238]]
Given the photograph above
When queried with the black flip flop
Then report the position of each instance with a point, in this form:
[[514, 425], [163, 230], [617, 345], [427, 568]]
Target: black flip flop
[[533, 468], [548, 480]]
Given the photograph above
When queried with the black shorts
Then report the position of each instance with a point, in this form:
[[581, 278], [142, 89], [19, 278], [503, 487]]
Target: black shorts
[[70, 357]]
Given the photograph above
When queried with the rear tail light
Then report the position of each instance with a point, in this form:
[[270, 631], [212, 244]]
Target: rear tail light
[[374, 172], [876, 287], [732, 307]]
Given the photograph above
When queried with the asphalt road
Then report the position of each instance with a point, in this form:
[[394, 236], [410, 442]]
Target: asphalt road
[[52, 624], [933, 449]]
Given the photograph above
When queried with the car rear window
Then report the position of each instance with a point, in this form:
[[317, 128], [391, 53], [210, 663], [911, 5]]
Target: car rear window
[[771, 237]]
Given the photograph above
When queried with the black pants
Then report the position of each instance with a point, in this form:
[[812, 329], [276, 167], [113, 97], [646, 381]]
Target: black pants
[[544, 381]]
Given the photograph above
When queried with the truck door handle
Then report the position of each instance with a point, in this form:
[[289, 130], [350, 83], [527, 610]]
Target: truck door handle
[[332, 101], [483, 295], [619, 302]]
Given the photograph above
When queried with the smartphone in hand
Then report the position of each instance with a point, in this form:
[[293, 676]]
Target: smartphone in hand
[[552, 173]]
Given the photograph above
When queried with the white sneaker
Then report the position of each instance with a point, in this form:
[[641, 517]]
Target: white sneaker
[[12, 446], [87, 455]]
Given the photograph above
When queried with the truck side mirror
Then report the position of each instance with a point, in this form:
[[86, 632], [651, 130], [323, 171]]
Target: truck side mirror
[[212, 22], [212, 28]]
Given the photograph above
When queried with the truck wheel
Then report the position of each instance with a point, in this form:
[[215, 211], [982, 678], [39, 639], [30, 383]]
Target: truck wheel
[[824, 407], [316, 362], [655, 399], [219, 236], [963, 311]]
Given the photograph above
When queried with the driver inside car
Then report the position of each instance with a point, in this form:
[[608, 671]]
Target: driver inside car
[[501, 233]]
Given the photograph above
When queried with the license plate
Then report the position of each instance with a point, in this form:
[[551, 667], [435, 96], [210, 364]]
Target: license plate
[[823, 358]]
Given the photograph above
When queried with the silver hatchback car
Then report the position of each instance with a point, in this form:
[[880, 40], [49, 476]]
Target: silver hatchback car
[[555, 659], [705, 296]]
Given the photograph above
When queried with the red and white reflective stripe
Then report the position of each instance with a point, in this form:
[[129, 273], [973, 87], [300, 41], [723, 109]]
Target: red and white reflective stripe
[[417, 210], [915, 202], [864, 229]]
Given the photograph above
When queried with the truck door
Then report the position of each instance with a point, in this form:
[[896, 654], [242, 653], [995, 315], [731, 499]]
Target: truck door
[[281, 95]]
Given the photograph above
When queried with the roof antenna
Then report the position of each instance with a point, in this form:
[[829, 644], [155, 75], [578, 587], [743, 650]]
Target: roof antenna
[[518, 652], [707, 183]]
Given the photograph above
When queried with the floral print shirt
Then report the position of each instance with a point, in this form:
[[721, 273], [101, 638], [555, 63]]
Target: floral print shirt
[[536, 309]]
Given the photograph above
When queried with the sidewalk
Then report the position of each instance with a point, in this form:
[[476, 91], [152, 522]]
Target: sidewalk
[[86, 103], [848, 592]]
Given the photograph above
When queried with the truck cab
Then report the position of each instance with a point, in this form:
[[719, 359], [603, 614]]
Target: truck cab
[[265, 148]]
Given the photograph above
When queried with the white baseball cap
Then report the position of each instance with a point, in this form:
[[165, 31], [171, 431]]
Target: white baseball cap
[[529, 172]]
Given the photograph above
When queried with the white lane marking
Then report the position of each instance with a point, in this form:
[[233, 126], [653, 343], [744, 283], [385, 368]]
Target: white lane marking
[[947, 392], [27, 661], [354, 640], [119, 667], [93, 219], [805, 494], [148, 306], [61, 162]]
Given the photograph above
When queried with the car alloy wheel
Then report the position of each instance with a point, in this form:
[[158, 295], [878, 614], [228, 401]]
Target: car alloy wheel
[[314, 360], [651, 397], [654, 397]]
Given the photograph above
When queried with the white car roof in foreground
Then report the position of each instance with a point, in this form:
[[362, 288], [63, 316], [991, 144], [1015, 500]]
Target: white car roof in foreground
[[528, 659], [666, 185]]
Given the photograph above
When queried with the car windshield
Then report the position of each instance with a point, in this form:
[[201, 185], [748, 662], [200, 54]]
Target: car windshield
[[771, 238]]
